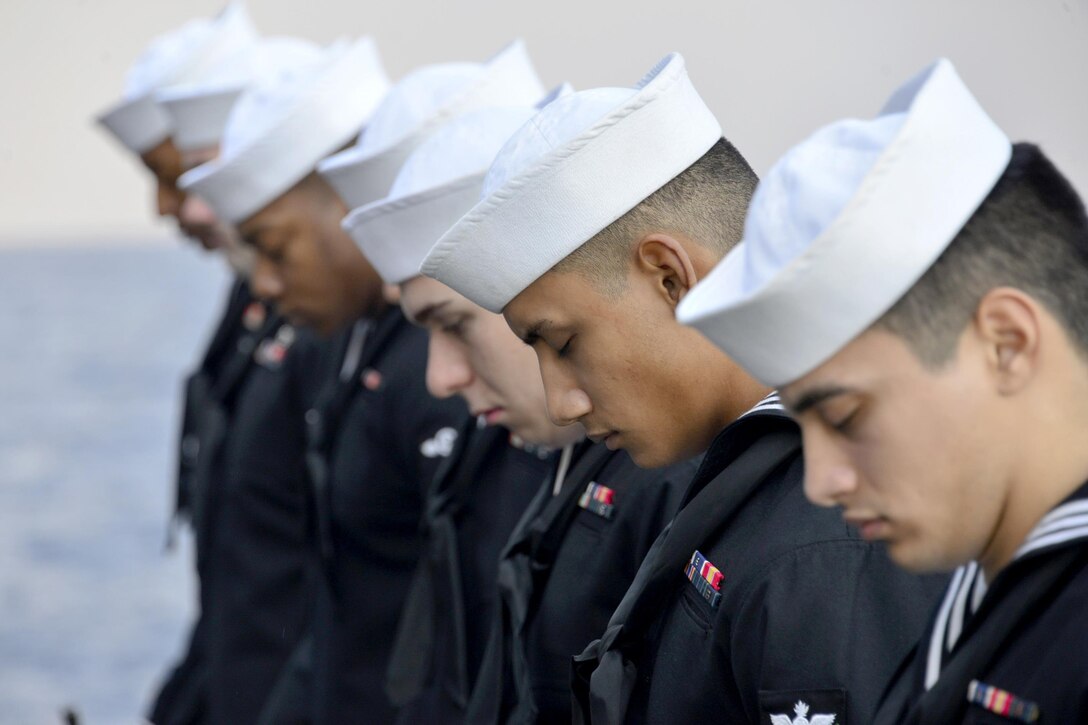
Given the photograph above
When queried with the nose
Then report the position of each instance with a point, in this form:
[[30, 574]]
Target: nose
[[196, 212], [448, 370], [829, 477], [265, 280], [567, 403], [167, 199]]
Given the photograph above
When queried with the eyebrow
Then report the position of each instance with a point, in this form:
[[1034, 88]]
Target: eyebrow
[[421, 317], [535, 330], [814, 397], [254, 237]]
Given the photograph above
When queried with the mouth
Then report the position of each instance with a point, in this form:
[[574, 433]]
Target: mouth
[[609, 438], [871, 528], [492, 416]]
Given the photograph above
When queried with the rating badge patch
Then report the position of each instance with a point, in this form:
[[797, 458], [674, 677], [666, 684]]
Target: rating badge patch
[[598, 499], [1002, 702], [706, 578]]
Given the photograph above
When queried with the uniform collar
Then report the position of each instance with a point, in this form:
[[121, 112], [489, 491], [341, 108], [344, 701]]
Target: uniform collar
[[1066, 524]]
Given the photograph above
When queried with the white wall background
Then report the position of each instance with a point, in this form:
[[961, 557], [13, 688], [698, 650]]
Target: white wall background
[[773, 71]]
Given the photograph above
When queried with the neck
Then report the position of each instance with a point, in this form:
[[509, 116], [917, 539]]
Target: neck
[[732, 390], [1053, 464]]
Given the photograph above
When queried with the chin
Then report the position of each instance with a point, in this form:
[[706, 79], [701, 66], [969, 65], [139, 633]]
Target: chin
[[917, 561], [651, 457]]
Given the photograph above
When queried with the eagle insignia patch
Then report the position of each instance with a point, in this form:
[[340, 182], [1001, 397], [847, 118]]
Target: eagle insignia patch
[[800, 710], [809, 707]]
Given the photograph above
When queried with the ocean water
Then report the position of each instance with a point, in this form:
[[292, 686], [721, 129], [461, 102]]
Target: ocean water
[[93, 345]]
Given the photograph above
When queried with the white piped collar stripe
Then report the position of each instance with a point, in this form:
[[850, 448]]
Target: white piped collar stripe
[[771, 402], [1067, 522], [815, 268], [538, 217]]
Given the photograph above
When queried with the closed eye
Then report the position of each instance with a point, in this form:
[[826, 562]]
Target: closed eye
[[843, 424]]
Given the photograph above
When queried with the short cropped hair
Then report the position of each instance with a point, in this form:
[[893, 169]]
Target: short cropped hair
[[1030, 233], [706, 202]]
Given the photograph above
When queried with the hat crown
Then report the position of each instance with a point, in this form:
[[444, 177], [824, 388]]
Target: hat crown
[[265, 61], [413, 100], [191, 52], [264, 103], [559, 122], [808, 188], [462, 147], [846, 224]]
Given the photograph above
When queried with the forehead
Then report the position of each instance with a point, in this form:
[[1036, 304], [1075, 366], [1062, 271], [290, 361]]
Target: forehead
[[192, 158], [278, 214], [421, 294], [867, 362], [555, 298]]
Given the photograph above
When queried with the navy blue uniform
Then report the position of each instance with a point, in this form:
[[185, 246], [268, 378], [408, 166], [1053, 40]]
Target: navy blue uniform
[[182, 699], [376, 439], [567, 565], [1015, 651], [477, 498], [754, 604], [262, 576]]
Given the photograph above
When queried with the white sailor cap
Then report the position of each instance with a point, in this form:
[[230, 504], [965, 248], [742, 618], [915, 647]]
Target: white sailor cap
[[845, 224], [418, 106], [438, 183], [576, 167], [185, 55], [278, 132], [198, 111]]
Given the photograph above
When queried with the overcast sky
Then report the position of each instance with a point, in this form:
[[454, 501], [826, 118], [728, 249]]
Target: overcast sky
[[772, 71]]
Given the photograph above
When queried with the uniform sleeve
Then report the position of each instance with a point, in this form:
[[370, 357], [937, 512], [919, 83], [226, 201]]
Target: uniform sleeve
[[824, 629]]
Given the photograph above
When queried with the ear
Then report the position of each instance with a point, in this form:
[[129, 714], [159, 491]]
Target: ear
[[1009, 323], [665, 260]]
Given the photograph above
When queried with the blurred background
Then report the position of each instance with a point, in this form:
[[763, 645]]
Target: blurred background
[[102, 307]]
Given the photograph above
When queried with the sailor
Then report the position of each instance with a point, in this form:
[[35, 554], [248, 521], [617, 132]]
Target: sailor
[[579, 545], [259, 582], [503, 453], [375, 436], [915, 282], [595, 220], [191, 54]]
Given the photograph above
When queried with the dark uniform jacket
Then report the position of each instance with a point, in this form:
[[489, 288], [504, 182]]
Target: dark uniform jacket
[[1016, 651], [262, 577], [183, 696], [567, 565], [477, 497], [376, 439], [754, 605]]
